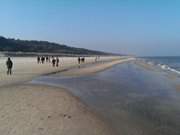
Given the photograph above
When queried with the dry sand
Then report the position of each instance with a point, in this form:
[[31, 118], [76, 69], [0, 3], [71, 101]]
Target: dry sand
[[43, 110], [25, 69]]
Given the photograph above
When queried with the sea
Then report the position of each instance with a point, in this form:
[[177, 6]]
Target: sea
[[132, 99], [171, 63]]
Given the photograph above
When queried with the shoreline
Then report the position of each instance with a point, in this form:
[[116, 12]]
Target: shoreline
[[91, 69], [56, 109], [26, 69], [119, 93], [86, 120]]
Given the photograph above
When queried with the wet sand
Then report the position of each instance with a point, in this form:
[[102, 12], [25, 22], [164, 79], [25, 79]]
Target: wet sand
[[132, 97], [91, 69], [27, 109]]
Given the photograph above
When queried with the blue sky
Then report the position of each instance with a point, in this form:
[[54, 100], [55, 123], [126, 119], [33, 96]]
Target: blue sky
[[140, 27]]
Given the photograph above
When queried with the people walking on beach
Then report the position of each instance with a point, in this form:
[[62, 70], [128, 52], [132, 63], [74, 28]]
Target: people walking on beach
[[42, 59], [47, 58], [79, 60], [57, 62], [83, 59], [38, 59], [53, 62], [9, 65]]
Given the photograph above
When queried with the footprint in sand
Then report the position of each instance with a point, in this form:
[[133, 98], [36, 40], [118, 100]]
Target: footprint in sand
[[67, 116]]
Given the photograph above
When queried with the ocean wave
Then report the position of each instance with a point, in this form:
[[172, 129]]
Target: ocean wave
[[162, 66], [168, 68]]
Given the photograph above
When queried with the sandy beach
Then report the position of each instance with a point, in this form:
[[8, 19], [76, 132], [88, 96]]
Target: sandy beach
[[25, 69], [38, 109], [35, 109]]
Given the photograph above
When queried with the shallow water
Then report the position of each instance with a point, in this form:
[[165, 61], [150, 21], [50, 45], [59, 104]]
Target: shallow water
[[134, 101]]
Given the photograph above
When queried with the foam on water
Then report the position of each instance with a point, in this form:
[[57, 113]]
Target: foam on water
[[162, 65], [168, 68]]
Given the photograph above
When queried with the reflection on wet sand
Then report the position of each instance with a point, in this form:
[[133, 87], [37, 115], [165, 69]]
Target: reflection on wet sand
[[133, 99]]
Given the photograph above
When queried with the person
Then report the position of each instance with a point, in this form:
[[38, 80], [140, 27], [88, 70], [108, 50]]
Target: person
[[79, 60], [53, 62], [57, 62], [47, 58], [83, 60], [38, 59], [9, 65], [42, 59]]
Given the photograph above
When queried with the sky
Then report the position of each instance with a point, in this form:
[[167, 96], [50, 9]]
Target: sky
[[137, 27]]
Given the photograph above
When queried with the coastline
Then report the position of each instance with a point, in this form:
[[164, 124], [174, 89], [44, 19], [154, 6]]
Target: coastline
[[132, 97], [26, 69], [29, 105], [92, 69]]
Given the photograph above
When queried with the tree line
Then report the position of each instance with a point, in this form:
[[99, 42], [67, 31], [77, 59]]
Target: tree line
[[17, 45]]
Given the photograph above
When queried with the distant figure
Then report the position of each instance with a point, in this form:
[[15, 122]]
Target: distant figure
[[9, 65], [79, 60], [38, 59], [57, 62], [47, 58], [42, 59], [83, 60], [53, 62]]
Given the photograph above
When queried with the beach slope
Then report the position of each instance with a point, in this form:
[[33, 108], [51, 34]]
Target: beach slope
[[36, 109]]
